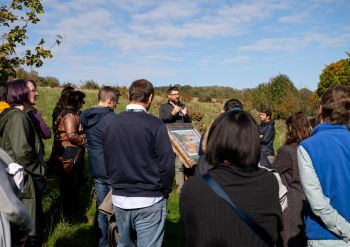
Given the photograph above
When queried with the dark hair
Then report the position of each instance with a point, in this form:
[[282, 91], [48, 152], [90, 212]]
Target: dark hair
[[172, 89], [75, 98], [18, 92], [266, 111], [67, 89], [234, 137], [335, 104], [107, 92], [140, 90], [3, 91], [232, 104], [298, 128]]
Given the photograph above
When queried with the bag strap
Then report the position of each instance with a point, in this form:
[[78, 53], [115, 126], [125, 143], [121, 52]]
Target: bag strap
[[251, 223]]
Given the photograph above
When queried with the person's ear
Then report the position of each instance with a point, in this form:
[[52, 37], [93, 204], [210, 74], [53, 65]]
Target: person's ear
[[150, 98], [320, 110]]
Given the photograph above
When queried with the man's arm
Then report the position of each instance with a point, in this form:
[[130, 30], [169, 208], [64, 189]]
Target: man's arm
[[165, 113], [320, 204], [165, 158], [268, 135]]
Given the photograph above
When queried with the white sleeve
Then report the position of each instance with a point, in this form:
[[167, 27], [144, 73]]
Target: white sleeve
[[319, 203]]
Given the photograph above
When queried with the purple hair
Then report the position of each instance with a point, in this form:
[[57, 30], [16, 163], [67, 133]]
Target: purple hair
[[18, 92]]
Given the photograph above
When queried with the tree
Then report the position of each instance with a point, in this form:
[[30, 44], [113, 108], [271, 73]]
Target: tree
[[261, 96], [15, 18], [284, 96], [90, 84], [307, 105], [334, 73]]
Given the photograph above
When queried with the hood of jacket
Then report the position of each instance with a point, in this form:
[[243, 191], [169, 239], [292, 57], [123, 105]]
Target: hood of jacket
[[92, 116], [5, 116]]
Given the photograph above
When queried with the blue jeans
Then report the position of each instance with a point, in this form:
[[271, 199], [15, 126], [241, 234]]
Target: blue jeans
[[102, 187], [144, 226]]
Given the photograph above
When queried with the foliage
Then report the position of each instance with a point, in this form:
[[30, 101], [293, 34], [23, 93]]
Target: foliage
[[15, 19], [334, 73], [307, 105], [204, 99], [90, 84], [279, 94], [48, 81], [261, 96]]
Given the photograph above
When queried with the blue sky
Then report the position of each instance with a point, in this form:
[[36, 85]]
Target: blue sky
[[198, 42]]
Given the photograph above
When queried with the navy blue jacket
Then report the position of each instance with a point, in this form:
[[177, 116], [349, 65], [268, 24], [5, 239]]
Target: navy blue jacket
[[268, 131], [94, 121], [138, 155]]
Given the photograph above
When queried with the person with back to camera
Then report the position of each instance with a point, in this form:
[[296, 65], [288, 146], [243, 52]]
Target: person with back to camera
[[234, 151], [174, 111], [71, 142], [324, 169], [140, 163], [286, 163], [19, 138], [94, 121], [267, 133], [15, 221]]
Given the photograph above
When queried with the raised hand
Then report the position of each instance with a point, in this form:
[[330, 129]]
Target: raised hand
[[184, 111], [176, 109]]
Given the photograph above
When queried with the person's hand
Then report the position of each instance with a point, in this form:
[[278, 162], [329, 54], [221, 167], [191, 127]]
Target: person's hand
[[176, 109], [184, 111]]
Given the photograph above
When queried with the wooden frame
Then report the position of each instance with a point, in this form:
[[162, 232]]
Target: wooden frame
[[185, 141]]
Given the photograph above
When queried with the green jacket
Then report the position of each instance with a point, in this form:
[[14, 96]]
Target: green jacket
[[20, 140]]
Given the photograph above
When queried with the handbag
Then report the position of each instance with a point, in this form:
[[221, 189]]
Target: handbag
[[70, 156], [106, 208], [242, 215]]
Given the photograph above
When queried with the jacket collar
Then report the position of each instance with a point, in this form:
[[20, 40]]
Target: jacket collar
[[328, 126]]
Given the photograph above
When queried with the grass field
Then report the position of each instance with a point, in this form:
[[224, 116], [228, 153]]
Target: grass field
[[81, 232]]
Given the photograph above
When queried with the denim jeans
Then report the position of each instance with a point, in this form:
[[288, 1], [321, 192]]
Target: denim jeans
[[102, 187], [144, 226]]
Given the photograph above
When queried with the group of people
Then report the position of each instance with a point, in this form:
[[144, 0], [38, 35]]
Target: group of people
[[237, 196]]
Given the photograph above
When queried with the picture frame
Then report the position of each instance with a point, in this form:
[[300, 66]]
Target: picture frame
[[185, 140]]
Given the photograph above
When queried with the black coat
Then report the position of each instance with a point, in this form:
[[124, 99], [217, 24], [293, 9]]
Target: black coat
[[267, 130], [286, 164], [209, 221], [166, 117]]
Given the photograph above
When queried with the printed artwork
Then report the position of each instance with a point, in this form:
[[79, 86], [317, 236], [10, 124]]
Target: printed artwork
[[189, 141]]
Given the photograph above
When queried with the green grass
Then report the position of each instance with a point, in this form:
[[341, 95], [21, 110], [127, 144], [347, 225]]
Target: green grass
[[81, 232]]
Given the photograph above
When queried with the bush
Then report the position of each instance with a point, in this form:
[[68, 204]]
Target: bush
[[205, 99], [90, 84]]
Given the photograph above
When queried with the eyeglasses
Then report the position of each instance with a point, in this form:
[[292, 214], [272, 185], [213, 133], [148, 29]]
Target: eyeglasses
[[34, 91], [174, 94]]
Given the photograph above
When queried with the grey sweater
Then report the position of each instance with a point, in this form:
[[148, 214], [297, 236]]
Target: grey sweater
[[11, 208]]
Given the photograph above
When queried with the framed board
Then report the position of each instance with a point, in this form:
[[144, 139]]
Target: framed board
[[185, 140]]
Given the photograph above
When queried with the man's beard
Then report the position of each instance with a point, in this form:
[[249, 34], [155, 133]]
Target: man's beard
[[175, 101]]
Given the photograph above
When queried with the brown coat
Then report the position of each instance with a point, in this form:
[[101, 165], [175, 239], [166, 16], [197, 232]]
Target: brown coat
[[68, 133]]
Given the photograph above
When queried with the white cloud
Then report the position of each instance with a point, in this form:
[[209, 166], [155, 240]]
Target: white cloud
[[297, 42], [293, 18]]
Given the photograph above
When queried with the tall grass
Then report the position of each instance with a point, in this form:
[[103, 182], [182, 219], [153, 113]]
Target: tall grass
[[81, 231]]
